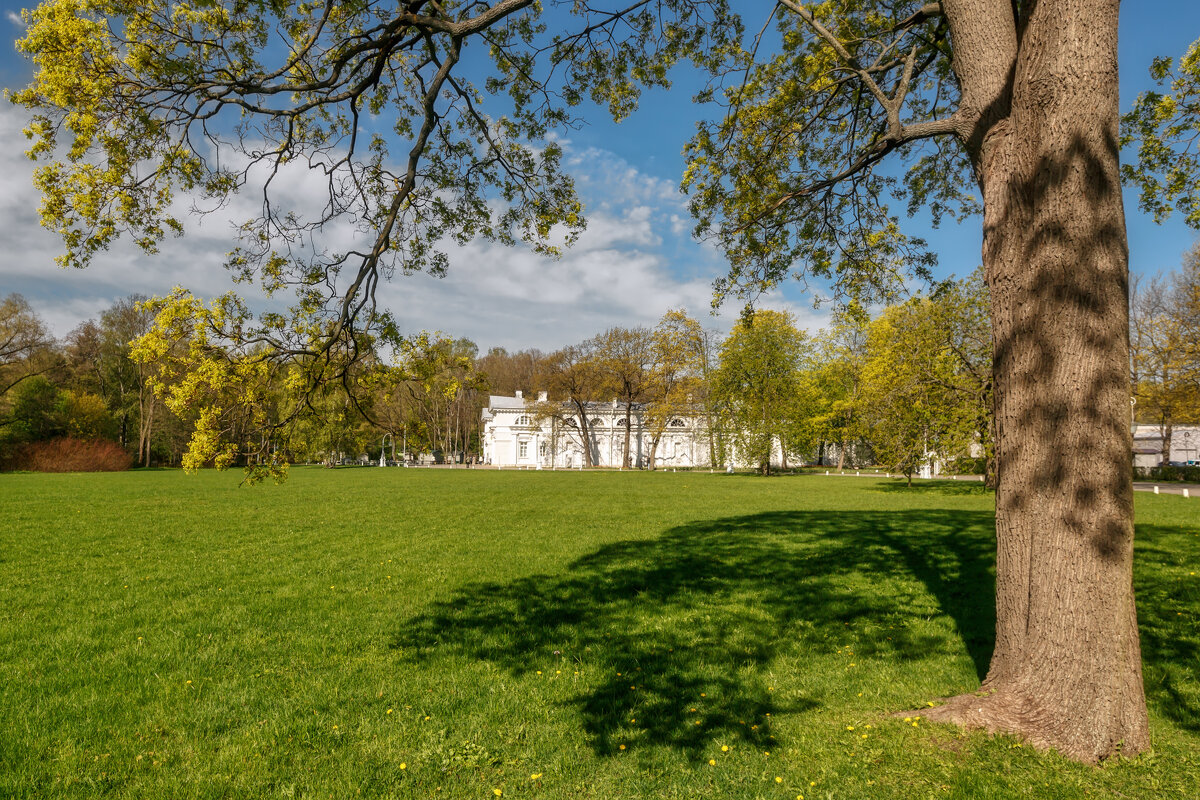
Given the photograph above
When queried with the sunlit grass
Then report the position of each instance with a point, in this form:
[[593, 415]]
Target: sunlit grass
[[417, 633]]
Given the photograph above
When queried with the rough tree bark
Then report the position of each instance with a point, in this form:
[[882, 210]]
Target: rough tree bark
[[1066, 670]]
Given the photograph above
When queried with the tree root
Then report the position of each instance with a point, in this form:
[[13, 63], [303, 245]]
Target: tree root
[[1000, 712]]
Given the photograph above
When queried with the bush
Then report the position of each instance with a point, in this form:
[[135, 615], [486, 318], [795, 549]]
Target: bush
[[71, 455], [1167, 474], [965, 466]]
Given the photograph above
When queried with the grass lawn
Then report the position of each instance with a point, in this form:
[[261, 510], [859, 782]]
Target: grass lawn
[[436, 633]]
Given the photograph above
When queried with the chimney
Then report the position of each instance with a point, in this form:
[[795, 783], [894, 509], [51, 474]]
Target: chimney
[[519, 395], [542, 397]]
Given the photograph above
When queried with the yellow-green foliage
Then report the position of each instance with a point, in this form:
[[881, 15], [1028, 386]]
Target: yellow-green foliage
[[198, 376]]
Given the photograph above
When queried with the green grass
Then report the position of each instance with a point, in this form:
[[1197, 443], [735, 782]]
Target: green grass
[[422, 633]]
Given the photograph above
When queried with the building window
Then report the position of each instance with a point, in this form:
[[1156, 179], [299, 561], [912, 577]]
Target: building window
[[524, 450], [522, 420], [677, 423], [595, 422]]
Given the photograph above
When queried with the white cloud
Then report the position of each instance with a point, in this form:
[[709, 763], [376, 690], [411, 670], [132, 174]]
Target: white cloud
[[629, 267], [14, 18]]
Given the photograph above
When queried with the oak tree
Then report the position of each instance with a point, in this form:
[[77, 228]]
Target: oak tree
[[1010, 108]]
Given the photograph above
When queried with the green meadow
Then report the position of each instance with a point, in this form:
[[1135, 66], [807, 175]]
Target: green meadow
[[470, 634]]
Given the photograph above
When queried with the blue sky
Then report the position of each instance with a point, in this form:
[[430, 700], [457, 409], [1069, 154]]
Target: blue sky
[[636, 261]]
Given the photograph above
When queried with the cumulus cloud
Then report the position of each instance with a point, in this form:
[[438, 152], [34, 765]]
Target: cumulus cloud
[[14, 18], [629, 267]]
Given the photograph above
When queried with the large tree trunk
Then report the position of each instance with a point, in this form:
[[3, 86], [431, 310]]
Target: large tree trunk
[[1066, 670]]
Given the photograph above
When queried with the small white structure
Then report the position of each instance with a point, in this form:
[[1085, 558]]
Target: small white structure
[[537, 435]]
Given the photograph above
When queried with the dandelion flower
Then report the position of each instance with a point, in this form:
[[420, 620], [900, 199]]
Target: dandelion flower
[[622, 747], [712, 762], [403, 765], [497, 792], [535, 776], [778, 779], [724, 748]]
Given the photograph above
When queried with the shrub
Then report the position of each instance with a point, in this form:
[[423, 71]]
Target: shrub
[[72, 455], [965, 466], [1168, 473]]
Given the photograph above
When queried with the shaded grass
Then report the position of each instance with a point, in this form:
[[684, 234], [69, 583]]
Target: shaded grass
[[411, 633]]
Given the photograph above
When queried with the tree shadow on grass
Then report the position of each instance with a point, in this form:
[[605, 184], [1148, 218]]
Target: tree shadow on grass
[[941, 487], [1168, 605], [691, 619]]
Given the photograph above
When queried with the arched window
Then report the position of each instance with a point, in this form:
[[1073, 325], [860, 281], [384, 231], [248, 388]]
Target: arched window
[[678, 423], [522, 420], [595, 422], [621, 423], [569, 422]]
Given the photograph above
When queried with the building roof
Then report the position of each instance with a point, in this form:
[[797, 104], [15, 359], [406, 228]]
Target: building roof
[[500, 401]]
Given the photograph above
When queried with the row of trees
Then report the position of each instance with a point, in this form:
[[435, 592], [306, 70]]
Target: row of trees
[[86, 386], [909, 382], [1165, 348], [915, 380]]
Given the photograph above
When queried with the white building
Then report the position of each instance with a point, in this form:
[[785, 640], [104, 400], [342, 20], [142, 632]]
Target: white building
[[1147, 445], [515, 435]]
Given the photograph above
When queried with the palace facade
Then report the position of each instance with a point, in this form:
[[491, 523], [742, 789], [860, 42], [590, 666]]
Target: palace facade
[[539, 435]]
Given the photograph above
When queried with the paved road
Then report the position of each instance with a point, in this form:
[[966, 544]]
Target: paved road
[[1168, 488]]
